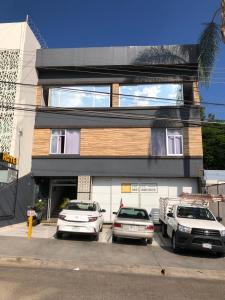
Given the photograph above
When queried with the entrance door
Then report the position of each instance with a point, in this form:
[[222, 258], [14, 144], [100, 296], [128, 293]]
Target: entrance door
[[59, 192]]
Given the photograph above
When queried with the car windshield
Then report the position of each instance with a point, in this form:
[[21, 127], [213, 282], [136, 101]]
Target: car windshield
[[81, 206], [133, 213], [199, 213]]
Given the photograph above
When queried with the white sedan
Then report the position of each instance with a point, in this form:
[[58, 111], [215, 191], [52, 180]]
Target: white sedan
[[133, 223], [81, 217]]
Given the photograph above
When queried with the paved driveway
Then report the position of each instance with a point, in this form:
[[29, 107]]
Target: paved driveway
[[46, 230], [127, 253]]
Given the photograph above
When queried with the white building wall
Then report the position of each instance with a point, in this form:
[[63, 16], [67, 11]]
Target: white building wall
[[107, 191], [19, 36]]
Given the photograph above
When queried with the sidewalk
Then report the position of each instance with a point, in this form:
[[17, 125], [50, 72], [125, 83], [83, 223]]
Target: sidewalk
[[94, 256]]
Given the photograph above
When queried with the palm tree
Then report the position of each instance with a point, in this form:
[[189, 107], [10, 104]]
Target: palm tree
[[209, 42], [223, 20]]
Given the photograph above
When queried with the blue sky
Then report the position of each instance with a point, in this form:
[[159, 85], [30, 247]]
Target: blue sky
[[91, 23]]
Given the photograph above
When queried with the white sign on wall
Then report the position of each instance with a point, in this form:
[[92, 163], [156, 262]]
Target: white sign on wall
[[134, 187], [148, 188], [142, 188]]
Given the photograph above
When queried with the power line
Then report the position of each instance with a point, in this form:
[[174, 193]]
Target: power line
[[108, 114], [75, 90], [133, 76], [148, 66]]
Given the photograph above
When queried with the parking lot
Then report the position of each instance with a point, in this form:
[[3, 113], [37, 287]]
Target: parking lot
[[125, 255], [48, 230]]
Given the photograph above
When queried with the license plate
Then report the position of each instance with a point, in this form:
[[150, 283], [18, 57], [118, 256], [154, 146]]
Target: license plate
[[207, 246], [133, 228], [74, 229]]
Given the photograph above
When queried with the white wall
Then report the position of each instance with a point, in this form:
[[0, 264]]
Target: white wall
[[27, 96], [19, 36], [11, 35], [107, 191]]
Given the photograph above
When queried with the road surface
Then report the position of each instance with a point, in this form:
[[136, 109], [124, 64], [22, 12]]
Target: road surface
[[41, 284]]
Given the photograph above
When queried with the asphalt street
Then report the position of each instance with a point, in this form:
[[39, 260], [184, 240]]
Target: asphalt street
[[41, 284]]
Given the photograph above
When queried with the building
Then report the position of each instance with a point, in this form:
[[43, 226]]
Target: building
[[18, 46], [117, 123]]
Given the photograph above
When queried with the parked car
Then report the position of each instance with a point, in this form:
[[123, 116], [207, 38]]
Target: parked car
[[191, 226], [133, 223], [81, 218]]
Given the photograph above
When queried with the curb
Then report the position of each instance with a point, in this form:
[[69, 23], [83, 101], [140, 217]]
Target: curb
[[33, 262]]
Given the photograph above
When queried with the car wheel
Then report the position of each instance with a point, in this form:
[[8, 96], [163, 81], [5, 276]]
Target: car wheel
[[59, 235], [149, 241], [219, 254], [114, 238], [174, 244], [164, 230], [96, 237]]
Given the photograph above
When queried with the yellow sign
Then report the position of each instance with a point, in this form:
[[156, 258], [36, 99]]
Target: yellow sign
[[125, 187], [8, 158]]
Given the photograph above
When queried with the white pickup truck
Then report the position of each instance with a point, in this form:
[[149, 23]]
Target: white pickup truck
[[191, 225]]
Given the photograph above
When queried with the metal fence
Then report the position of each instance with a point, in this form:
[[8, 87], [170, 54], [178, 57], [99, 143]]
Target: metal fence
[[216, 189], [217, 208]]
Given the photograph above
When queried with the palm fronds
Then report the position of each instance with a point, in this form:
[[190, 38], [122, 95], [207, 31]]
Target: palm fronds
[[208, 46]]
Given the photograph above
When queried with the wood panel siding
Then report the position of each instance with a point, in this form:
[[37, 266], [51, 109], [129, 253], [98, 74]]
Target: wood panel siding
[[193, 141], [39, 96], [115, 88], [115, 142], [196, 95], [41, 142]]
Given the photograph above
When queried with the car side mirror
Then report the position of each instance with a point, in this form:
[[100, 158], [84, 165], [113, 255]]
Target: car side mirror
[[219, 219], [150, 215], [102, 210], [170, 215], [114, 213]]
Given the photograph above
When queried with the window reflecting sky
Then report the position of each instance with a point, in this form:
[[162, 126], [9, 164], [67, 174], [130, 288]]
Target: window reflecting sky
[[170, 91], [80, 96]]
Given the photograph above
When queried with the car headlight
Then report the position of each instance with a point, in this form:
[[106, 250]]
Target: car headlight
[[222, 232], [184, 228]]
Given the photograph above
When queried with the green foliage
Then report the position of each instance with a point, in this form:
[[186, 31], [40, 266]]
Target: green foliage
[[64, 203], [208, 47], [214, 146], [40, 204], [202, 113], [211, 117]]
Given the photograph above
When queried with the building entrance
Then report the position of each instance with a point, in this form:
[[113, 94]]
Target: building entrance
[[60, 190]]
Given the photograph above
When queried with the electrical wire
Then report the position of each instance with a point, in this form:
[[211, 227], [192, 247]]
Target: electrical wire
[[75, 90], [135, 76], [107, 114]]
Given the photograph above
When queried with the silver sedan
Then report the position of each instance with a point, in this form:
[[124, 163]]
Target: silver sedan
[[132, 223]]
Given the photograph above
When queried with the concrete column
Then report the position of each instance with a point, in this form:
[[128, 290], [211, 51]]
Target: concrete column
[[84, 188], [115, 89]]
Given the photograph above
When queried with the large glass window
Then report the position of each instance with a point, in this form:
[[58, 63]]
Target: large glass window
[[65, 141], [80, 96], [166, 94], [167, 142]]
